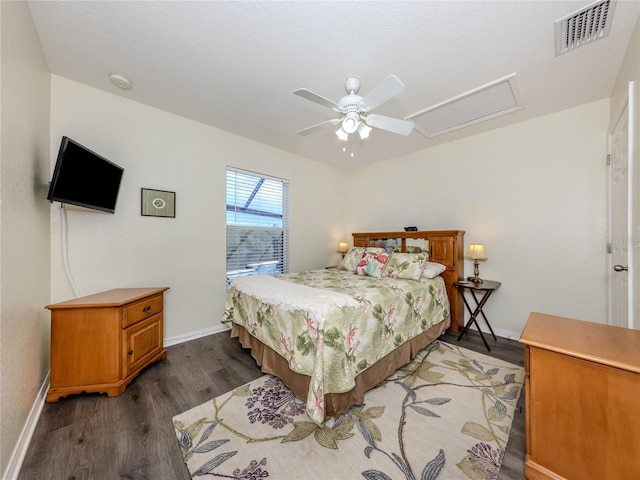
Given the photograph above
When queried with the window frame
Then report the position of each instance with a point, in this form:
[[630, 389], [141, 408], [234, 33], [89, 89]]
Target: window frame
[[256, 232]]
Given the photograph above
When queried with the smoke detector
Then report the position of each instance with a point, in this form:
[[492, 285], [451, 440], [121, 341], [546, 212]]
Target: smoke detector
[[120, 81]]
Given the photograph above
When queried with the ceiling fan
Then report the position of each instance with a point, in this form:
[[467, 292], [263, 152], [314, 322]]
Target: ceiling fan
[[355, 109]]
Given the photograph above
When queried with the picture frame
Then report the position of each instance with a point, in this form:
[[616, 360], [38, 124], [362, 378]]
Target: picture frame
[[158, 203]]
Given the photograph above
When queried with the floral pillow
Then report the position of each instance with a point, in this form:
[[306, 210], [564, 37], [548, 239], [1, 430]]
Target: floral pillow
[[405, 265], [354, 255], [372, 264]]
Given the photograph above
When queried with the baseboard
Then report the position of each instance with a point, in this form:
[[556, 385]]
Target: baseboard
[[509, 335], [504, 334], [19, 452], [194, 335]]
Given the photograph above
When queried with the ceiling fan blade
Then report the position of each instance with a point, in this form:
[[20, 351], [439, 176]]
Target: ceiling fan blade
[[319, 126], [385, 90], [390, 124], [314, 97]]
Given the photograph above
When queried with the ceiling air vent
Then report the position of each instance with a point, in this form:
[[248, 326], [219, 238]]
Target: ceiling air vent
[[584, 26]]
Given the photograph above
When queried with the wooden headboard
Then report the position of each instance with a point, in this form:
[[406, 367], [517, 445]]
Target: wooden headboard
[[445, 247]]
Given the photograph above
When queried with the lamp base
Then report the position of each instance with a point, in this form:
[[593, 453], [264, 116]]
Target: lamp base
[[474, 279], [476, 273]]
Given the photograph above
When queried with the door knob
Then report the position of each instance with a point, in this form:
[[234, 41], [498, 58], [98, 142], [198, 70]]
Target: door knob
[[620, 268]]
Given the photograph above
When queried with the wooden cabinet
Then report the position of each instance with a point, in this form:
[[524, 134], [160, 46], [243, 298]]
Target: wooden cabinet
[[445, 247], [99, 343], [582, 391]]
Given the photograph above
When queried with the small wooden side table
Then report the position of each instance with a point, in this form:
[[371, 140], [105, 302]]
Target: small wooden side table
[[487, 287], [101, 342]]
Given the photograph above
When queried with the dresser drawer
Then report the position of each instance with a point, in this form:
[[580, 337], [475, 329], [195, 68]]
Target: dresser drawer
[[141, 310]]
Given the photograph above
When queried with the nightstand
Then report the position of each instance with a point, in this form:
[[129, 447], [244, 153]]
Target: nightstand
[[486, 288]]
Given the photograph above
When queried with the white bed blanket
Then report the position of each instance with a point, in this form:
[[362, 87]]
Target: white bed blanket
[[292, 296]]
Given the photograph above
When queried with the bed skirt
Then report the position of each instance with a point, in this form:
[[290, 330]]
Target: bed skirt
[[337, 403]]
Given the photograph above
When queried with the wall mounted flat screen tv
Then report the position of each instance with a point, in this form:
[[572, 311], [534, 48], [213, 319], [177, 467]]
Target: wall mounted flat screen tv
[[84, 178]]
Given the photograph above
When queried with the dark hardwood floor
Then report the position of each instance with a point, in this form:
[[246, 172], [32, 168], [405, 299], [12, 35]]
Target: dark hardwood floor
[[93, 436]]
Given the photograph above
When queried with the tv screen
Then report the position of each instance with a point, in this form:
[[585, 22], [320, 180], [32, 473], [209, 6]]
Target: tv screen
[[84, 178]]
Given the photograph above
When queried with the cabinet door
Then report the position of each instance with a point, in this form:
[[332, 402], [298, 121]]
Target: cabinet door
[[441, 250], [141, 343]]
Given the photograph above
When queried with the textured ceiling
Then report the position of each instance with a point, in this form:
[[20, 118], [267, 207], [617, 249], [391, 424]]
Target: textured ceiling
[[234, 65]]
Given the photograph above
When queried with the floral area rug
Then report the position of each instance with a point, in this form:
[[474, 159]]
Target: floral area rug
[[446, 415]]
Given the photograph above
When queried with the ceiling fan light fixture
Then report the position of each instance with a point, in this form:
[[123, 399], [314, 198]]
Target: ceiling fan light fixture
[[355, 112], [342, 135], [364, 130], [350, 122]]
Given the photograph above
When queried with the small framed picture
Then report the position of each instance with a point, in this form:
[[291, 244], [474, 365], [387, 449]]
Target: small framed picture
[[158, 203]]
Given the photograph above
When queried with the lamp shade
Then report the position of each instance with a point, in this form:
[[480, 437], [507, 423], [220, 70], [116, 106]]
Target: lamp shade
[[364, 130], [350, 122], [343, 247], [476, 252], [342, 135]]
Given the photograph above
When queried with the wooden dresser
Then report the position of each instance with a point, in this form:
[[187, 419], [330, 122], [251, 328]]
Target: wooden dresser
[[445, 247], [582, 390], [99, 343]]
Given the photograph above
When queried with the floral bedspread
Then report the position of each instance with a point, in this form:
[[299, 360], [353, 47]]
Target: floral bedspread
[[334, 349]]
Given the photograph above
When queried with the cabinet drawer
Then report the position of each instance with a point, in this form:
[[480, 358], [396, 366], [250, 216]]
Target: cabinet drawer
[[141, 310]]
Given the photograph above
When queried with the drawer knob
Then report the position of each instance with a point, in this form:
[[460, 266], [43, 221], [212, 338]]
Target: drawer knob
[[130, 352], [147, 309]]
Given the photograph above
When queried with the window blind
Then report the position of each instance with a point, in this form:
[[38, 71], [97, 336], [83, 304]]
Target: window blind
[[257, 224]]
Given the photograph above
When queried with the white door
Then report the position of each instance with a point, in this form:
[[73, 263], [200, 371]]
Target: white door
[[618, 222]]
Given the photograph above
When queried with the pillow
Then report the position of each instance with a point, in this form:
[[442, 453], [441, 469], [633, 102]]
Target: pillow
[[405, 265], [372, 264], [413, 249], [354, 255], [432, 270]]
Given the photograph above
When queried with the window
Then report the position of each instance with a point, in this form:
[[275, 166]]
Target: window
[[257, 224]]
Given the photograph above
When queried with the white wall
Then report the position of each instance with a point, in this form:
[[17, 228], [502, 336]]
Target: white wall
[[24, 228], [533, 193], [187, 253]]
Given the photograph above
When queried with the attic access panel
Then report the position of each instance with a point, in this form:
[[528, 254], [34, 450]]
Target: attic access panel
[[483, 103]]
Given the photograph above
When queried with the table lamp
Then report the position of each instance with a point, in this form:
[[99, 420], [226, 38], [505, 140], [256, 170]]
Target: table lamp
[[343, 247], [475, 253]]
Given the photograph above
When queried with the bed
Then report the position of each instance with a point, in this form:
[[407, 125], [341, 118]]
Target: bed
[[334, 333]]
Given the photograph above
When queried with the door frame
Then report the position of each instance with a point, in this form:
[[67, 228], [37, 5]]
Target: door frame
[[633, 211]]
